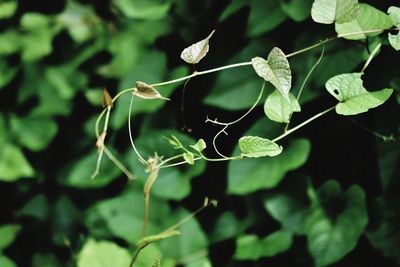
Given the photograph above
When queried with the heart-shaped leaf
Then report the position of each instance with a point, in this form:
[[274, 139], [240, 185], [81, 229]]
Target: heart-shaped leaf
[[354, 98], [275, 70], [330, 11], [194, 53], [199, 146], [368, 18], [254, 147], [278, 109], [143, 90]]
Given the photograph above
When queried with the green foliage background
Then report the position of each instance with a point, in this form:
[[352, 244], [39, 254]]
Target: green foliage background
[[330, 198]]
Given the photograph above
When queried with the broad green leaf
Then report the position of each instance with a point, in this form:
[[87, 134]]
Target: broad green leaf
[[172, 183], [199, 146], [354, 98], [275, 70], [330, 11], [191, 240], [254, 147], [197, 51], [249, 175], [369, 18], [8, 8], [278, 109], [394, 39], [264, 17], [384, 236], [8, 72], [80, 20], [34, 133], [332, 230], [251, 247], [238, 84], [37, 207], [102, 254], [13, 164], [78, 173], [142, 9], [298, 10], [122, 216], [228, 226], [8, 233], [45, 260], [6, 262], [289, 204], [147, 256]]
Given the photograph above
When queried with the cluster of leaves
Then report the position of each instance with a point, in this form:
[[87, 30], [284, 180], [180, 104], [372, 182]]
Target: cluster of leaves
[[60, 60]]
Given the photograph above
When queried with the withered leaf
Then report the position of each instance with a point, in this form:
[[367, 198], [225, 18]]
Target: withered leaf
[[194, 53], [107, 99], [143, 90]]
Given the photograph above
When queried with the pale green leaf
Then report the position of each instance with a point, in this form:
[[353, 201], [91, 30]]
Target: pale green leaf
[[278, 109], [354, 98], [394, 40], [330, 11], [275, 70], [368, 19], [13, 164], [6, 262], [251, 247], [8, 8], [8, 233], [199, 146], [249, 175], [143, 9], [188, 157], [34, 133], [102, 254], [254, 147], [298, 10], [394, 14], [333, 233]]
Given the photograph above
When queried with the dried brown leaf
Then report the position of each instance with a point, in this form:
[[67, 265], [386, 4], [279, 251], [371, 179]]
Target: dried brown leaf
[[194, 53], [107, 99], [143, 90]]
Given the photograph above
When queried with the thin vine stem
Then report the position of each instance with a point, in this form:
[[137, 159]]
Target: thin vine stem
[[303, 124], [371, 56], [141, 159]]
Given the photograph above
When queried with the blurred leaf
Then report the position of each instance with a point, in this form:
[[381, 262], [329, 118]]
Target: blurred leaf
[[80, 20], [289, 205], [278, 109], [45, 260], [275, 70], [264, 17], [13, 164], [250, 247], [142, 9], [38, 36], [197, 51], [66, 80], [123, 216], [8, 233], [78, 173], [298, 10], [147, 256], [339, 11], [34, 133], [37, 207], [6, 262], [232, 7], [191, 240], [369, 18], [102, 254], [3, 130], [333, 230], [239, 85], [66, 216], [7, 72], [249, 175], [254, 147], [174, 182], [8, 8], [354, 98], [228, 226], [10, 42]]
